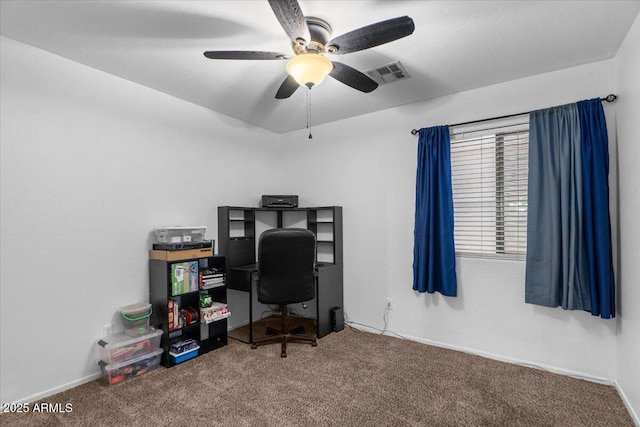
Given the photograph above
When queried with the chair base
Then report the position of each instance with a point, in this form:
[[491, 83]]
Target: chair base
[[295, 331], [293, 335]]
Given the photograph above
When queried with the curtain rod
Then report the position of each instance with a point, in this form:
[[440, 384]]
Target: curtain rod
[[608, 98]]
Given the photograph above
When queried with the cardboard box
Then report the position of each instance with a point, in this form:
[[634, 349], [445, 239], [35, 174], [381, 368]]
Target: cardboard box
[[181, 255]]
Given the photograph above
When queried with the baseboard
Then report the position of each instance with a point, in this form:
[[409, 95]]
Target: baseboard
[[494, 356], [58, 389], [81, 381], [634, 416], [624, 398], [520, 362]]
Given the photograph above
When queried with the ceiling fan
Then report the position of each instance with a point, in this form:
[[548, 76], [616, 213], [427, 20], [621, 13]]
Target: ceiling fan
[[311, 39]]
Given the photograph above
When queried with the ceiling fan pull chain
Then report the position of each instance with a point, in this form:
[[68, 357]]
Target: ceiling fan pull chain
[[309, 111]]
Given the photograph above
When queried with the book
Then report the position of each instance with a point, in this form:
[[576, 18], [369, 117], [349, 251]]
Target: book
[[212, 276], [171, 303], [210, 279], [184, 277]]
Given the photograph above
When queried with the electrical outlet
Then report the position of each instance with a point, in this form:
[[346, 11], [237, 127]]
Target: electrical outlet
[[107, 330], [389, 305]]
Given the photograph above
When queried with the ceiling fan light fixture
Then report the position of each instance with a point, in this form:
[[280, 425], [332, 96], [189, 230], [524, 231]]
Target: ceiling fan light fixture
[[309, 69]]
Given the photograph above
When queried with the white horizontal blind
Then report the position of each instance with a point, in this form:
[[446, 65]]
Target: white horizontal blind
[[489, 175]]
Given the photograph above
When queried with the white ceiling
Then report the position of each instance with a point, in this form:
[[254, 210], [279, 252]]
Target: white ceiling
[[457, 45]]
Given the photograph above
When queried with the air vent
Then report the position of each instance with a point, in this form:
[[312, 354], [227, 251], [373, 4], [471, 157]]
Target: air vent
[[388, 73]]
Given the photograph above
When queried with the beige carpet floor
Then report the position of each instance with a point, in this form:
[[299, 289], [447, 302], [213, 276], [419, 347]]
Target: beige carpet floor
[[308, 325], [352, 378]]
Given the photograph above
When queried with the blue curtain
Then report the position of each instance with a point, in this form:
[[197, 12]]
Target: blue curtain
[[568, 206], [434, 260], [554, 274], [597, 224]]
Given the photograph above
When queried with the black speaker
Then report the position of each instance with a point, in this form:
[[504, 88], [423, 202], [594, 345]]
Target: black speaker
[[337, 319]]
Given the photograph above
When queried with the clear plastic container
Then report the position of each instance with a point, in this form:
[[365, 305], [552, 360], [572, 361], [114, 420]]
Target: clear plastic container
[[181, 234], [120, 348], [118, 372], [135, 315]]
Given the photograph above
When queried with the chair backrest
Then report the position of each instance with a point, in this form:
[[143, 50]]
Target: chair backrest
[[286, 266]]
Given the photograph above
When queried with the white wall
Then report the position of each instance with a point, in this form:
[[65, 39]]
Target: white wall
[[367, 164], [91, 164], [627, 68]]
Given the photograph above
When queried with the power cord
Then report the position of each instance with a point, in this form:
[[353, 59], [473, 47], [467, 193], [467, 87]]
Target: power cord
[[382, 332], [268, 313], [385, 319]]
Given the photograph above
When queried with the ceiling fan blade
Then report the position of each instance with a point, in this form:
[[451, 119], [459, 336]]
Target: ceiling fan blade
[[243, 54], [371, 35], [352, 77], [288, 86], [292, 20]]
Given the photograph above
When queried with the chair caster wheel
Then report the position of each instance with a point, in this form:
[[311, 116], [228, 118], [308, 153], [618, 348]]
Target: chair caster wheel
[[314, 344], [283, 354], [253, 346]]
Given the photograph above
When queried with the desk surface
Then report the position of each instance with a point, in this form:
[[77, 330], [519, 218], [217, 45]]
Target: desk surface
[[250, 268]]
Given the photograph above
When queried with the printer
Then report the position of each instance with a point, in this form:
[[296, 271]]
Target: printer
[[279, 201]]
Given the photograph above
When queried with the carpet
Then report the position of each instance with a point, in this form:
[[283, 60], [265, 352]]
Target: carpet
[[308, 325], [352, 378]]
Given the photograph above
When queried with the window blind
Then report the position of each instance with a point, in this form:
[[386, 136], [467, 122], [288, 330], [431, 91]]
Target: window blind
[[489, 169]]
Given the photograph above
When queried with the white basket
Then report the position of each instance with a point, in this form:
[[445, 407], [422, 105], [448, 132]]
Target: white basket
[[181, 234]]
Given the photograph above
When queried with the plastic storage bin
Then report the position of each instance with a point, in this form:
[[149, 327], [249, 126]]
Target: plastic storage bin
[[184, 356], [135, 315], [120, 348], [181, 234], [118, 372], [181, 345]]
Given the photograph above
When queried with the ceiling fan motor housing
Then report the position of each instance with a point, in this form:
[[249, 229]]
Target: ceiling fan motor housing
[[320, 32]]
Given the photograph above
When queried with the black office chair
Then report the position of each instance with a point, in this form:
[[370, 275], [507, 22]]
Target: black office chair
[[286, 275]]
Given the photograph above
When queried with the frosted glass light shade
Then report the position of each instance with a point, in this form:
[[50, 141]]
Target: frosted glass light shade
[[309, 69]]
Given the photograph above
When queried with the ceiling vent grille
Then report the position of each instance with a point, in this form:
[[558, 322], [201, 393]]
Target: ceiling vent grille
[[388, 73]]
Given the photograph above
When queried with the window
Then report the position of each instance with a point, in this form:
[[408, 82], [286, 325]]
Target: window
[[489, 169]]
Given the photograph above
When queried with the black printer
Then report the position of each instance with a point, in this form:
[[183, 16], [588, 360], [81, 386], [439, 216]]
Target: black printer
[[279, 201]]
